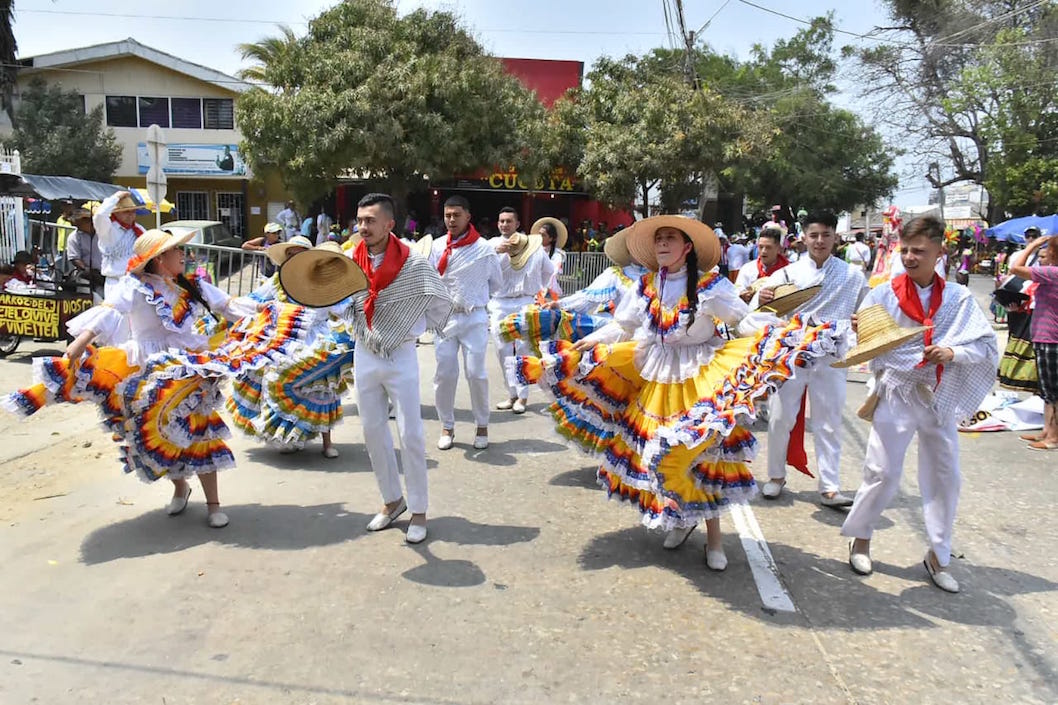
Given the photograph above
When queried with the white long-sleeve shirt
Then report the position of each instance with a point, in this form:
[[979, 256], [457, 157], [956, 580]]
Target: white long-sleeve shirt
[[115, 240], [472, 274], [527, 281]]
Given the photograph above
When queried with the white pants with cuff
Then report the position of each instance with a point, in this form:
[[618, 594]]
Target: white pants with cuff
[[826, 395], [469, 333], [895, 424], [379, 381], [500, 308]]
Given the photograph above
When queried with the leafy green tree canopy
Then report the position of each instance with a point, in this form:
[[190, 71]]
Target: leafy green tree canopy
[[55, 136], [372, 93]]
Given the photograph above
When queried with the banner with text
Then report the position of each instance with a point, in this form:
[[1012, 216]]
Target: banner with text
[[196, 160]]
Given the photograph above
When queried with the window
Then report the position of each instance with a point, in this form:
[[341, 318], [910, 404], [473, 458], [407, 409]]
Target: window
[[192, 205], [154, 111], [219, 113], [187, 113], [121, 111]]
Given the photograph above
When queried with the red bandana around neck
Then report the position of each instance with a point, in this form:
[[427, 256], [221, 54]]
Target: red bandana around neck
[[469, 238], [396, 254], [763, 271], [136, 228], [911, 304]]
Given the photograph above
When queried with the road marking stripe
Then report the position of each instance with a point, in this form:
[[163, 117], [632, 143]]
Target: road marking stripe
[[761, 564]]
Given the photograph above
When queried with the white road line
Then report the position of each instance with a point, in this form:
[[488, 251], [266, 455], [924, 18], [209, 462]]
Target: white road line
[[761, 564]]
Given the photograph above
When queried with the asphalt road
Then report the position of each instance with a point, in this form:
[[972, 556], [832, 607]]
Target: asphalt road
[[532, 588]]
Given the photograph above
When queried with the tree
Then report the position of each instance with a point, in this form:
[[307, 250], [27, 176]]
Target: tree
[[8, 59], [645, 126], [970, 84], [55, 136], [821, 156], [369, 93]]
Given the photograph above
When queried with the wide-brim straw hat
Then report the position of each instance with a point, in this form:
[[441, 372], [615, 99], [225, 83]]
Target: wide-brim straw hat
[[789, 298], [351, 242], [278, 252], [153, 243], [322, 276], [616, 248], [521, 247], [560, 228], [80, 214], [126, 203], [423, 245], [877, 333], [640, 240]]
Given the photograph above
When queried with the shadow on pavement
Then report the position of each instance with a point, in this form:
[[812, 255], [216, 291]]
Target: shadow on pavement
[[825, 591], [455, 572], [353, 458], [282, 527], [466, 416], [584, 477]]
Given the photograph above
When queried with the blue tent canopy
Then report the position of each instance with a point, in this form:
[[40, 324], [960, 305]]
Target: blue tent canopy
[[1014, 230]]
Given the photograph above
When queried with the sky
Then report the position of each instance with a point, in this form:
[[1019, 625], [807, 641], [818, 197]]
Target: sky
[[209, 33]]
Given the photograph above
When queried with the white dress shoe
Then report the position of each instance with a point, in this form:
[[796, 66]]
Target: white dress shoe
[[505, 404], [481, 442], [675, 538], [941, 578], [331, 452], [445, 441], [838, 501], [519, 406], [218, 520], [384, 519], [178, 504], [860, 562], [716, 560], [416, 533], [772, 489]]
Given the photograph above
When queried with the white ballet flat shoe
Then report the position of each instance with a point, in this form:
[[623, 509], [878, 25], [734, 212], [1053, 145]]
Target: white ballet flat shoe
[[330, 452], [178, 504], [384, 519], [218, 520], [941, 578], [676, 537], [519, 406], [716, 560], [505, 405], [772, 489], [860, 563], [416, 533], [445, 441], [481, 442]]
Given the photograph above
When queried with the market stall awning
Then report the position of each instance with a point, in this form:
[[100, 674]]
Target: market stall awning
[[54, 188]]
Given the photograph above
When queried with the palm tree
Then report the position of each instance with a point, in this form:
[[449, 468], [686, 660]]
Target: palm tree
[[268, 54], [8, 62]]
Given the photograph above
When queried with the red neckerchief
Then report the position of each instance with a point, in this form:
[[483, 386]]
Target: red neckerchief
[[469, 238], [136, 228], [396, 254], [911, 304], [763, 271]]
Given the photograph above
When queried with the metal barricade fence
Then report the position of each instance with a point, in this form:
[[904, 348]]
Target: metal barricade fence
[[580, 269], [236, 271]]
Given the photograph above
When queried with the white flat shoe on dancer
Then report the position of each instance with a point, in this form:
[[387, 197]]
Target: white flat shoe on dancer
[[519, 406], [860, 562], [331, 452], [716, 560], [772, 489], [941, 578], [505, 405], [384, 519], [416, 533], [676, 537], [178, 504], [445, 441], [481, 442]]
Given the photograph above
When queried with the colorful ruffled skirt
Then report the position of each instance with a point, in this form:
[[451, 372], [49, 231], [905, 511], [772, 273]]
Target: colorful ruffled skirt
[[289, 404], [164, 414], [676, 450], [534, 325]]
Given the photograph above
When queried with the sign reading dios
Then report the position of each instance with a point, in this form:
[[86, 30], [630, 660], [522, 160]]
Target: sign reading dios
[[39, 316]]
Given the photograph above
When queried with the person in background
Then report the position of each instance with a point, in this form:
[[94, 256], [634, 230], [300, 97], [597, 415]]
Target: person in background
[[272, 234], [82, 251], [117, 230], [323, 227], [289, 219], [63, 226], [858, 254], [1044, 331], [307, 225], [737, 256], [767, 263]]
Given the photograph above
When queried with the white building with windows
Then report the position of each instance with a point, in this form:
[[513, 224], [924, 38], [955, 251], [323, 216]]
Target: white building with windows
[[195, 105]]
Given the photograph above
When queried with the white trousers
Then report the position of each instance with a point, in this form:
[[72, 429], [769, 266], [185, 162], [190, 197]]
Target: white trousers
[[500, 308], [826, 395], [378, 382], [939, 480], [469, 333]]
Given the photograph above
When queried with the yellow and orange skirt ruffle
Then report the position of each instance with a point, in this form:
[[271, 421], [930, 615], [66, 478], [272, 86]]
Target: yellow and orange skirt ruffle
[[675, 450]]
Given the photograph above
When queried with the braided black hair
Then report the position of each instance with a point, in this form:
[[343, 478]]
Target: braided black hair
[[692, 280]]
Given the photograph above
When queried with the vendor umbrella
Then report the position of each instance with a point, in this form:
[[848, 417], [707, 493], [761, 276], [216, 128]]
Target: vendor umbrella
[[1014, 230]]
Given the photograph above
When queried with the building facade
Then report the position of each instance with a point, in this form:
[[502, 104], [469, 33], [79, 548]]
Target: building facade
[[138, 86]]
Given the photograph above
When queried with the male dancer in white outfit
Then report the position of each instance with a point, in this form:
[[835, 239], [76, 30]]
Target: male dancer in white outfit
[[116, 230], [769, 260], [925, 386], [405, 298], [519, 288], [844, 286], [470, 270]]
